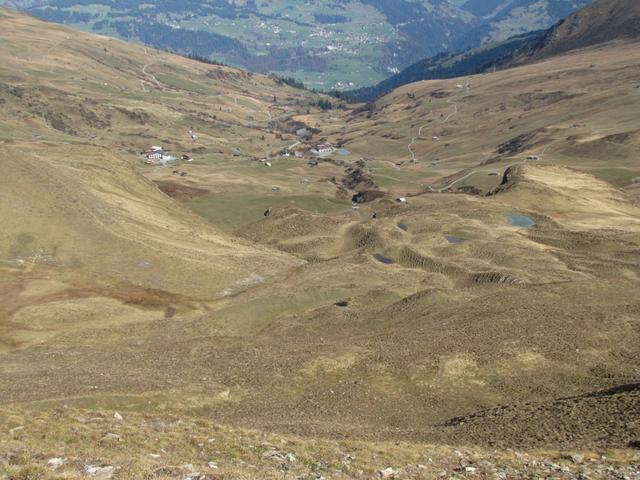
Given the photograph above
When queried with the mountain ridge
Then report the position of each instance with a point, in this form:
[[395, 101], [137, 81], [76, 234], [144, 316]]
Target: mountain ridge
[[600, 22]]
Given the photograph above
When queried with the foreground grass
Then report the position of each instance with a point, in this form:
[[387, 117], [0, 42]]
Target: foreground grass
[[69, 443]]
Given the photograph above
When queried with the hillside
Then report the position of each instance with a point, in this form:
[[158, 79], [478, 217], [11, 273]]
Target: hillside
[[241, 315], [603, 21], [469, 62], [76, 110], [326, 44]]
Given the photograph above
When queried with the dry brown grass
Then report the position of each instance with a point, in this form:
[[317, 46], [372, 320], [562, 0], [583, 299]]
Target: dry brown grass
[[115, 297]]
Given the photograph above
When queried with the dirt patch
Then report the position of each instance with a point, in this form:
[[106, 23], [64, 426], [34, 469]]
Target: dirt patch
[[573, 422], [58, 121], [517, 144], [182, 193], [355, 178], [621, 138], [367, 196], [439, 94]]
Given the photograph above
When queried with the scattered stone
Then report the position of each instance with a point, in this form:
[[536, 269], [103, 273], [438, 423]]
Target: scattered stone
[[577, 459], [290, 458], [282, 457], [111, 437], [55, 462], [213, 465], [99, 473], [388, 472], [118, 417]]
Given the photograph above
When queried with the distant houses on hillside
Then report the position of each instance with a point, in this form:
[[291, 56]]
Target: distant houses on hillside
[[157, 155], [321, 149]]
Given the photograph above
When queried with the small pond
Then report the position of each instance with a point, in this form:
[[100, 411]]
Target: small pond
[[455, 240], [403, 226], [383, 259], [523, 221], [343, 151]]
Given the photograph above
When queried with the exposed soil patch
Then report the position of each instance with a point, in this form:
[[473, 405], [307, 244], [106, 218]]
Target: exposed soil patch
[[367, 196], [516, 144], [182, 193], [355, 178], [599, 418], [59, 121], [621, 138], [439, 94]]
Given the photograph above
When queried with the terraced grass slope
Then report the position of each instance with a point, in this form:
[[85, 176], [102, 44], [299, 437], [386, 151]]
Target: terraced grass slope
[[319, 340]]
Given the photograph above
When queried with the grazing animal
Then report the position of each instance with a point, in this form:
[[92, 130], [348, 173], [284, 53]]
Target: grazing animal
[[267, 212]]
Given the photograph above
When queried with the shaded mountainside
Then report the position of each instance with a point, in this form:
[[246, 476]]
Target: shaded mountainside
[[600, 22], [448, 66]]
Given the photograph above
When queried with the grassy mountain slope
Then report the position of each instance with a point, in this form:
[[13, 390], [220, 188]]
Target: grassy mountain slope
[[321, 331], [76, 111], [581, 111], [597, 23], [603, 21], [448, 66]]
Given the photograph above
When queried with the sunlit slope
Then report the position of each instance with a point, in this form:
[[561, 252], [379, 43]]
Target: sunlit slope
[[393, 320], [76, 109], [127, 96], [577, 109]]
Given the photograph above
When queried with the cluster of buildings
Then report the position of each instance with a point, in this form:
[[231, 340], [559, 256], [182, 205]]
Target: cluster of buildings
[[321, 149], [158, 155]]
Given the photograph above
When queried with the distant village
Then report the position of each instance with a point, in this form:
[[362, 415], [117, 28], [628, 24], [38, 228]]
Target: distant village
[[157, 155]]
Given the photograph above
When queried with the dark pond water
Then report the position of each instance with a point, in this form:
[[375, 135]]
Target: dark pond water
[[455, 240], [403, 226], [383, 259], [523, 221]]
